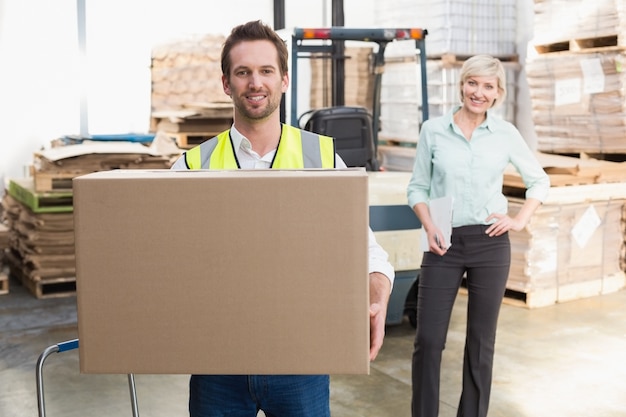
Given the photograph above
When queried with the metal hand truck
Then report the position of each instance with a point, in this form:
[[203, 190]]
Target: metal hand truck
[[64, 347]]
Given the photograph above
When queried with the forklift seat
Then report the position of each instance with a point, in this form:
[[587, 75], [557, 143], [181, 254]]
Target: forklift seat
[[352, 129]]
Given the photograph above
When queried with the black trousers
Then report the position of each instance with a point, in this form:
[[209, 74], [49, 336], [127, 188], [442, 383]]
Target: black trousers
[[485, 261]]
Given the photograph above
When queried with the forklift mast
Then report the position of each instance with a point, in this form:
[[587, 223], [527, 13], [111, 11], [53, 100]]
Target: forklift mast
[[301, 47], [397, 219]]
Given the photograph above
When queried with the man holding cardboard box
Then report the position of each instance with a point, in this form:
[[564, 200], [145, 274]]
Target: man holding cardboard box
[[254, 65]]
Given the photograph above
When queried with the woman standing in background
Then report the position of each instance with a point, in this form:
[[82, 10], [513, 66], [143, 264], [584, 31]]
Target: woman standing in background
[[462, 155]]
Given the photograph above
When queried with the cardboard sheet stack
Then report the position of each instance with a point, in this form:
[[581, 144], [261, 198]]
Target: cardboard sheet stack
[[54, 168], [573, 246], [568, 251], [39, 208], [41, 244], [577, 82]]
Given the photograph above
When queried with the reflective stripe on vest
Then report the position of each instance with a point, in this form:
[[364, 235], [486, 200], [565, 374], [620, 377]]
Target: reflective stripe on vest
[[296, 149]]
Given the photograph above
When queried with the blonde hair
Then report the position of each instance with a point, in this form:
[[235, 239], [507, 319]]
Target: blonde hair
[[484, 66]]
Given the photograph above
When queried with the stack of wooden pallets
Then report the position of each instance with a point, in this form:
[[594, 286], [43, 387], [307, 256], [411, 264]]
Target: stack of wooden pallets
[[41, 246]]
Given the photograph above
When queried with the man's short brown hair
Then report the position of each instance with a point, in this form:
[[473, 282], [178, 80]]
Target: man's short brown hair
[[254, 31]]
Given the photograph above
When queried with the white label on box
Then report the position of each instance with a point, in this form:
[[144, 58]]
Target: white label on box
[[593, 76], [567, 91], [586, 226]]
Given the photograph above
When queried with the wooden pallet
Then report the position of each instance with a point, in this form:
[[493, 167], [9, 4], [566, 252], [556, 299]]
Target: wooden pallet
[[23, 190], [48, 288], [187, 140], [42, 288], [452, 59], [597, 44], [196, 114], [570, 171], [53, 181], [51, 288]]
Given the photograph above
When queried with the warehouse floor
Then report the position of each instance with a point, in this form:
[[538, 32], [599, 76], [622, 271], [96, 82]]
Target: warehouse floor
[[563, 360]]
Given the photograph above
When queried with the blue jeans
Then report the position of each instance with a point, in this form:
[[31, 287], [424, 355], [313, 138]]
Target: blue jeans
[[245, 395]]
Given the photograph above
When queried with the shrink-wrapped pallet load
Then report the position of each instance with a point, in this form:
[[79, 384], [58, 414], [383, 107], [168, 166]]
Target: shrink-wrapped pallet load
[[579, 101], [576, 76]]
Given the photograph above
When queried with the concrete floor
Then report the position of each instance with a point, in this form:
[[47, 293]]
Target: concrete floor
[[564, 360]]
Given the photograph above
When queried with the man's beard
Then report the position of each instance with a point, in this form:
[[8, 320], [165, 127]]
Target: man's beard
[[257, 113]]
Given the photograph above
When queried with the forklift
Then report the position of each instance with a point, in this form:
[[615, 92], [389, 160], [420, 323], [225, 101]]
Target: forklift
[[356, 130], [339, 120]]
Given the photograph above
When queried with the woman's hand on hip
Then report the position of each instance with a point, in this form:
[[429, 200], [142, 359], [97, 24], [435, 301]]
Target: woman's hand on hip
[[503, 224]]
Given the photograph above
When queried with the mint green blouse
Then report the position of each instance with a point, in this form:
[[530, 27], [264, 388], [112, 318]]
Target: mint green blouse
[[472, 171]]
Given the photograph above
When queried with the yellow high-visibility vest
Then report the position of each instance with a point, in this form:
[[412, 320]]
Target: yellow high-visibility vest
[[297, 149]]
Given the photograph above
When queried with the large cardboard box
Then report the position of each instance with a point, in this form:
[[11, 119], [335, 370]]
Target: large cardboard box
[[236, 272]]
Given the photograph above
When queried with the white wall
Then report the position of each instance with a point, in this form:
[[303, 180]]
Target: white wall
[[37, 78]]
